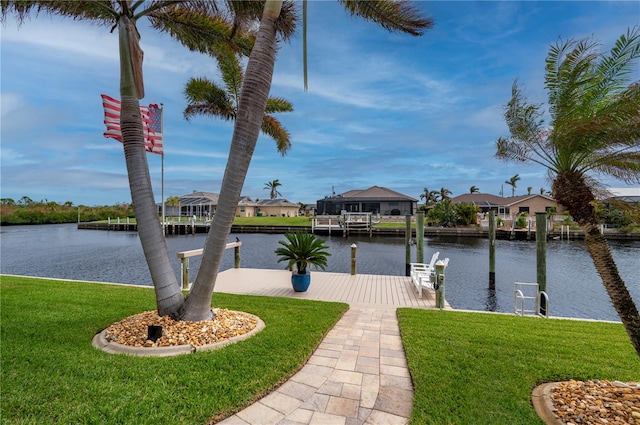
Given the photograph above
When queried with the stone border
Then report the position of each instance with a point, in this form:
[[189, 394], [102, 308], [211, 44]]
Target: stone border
[[100, 342], [542, 402]]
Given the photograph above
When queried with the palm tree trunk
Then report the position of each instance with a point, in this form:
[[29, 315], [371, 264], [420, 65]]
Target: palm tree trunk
[[571, 191], [169, 297], [621, 299], [253, 101]]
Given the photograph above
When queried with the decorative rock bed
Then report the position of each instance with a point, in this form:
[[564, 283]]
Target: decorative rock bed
[[133, 335], [588, 402]]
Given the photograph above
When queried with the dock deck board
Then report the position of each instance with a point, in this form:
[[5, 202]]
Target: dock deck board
[[360, 289]]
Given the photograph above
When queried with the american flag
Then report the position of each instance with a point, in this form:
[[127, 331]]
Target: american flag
[[151, 123]]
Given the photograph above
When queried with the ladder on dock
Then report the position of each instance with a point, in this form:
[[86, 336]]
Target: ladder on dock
[[525, 294]]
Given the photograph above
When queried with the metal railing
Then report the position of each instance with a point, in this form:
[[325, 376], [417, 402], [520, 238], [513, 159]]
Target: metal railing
[[523, 294]]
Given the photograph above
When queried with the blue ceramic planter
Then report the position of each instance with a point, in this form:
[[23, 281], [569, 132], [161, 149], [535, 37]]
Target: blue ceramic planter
[[300, 282]]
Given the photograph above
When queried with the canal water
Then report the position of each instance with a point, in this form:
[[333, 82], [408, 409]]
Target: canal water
[[573, 286]]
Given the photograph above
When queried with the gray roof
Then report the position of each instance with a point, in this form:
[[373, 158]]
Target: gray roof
[[276, 203], [488, 200], [374, 193]]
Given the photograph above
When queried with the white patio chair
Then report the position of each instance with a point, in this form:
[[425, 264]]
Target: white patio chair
[[421, 274]]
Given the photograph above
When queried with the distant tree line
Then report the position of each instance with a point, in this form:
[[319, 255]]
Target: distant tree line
[[27, 211]]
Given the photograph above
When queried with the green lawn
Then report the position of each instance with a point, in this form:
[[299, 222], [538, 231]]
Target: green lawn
[[467, 368], [52, 374], [475, 368], [273, 221]]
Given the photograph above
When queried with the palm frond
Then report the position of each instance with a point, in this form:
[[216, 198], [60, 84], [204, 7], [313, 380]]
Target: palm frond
[[200, 31], [100, 11], [616, 67], [272, 128], [231, 72], [392, 15], [523, 119], [278, 104], [623, 165], [569, 74], [205, 97]]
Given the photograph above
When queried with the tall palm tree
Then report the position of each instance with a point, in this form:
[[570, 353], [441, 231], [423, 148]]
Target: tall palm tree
[[205, 97], [594, 130], [512, 182], [272, 187], [196, 23], [444, 193], [474, 189], [394, 16]]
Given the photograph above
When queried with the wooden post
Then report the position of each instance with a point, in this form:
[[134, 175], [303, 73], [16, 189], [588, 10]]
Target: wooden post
[[236, 257], [420, 237], [439, 284], [184, 263], [407, 245], [492, 249], [354, 249], [541, 257]]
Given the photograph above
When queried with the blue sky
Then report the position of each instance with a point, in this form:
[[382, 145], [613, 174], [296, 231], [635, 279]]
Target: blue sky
[[381, 109]]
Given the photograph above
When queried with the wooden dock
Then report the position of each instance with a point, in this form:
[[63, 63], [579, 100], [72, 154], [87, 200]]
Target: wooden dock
[[359, 289]]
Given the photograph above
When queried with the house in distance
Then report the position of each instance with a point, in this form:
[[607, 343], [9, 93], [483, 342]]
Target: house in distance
[[375, 200]]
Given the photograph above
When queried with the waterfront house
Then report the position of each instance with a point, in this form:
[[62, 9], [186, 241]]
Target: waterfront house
[[266, 208], [200, 204], [276, 208], [376, 200], [510, 207], [204, 204]]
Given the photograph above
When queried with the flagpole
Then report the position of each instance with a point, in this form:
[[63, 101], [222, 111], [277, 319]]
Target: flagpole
[[162, 194]]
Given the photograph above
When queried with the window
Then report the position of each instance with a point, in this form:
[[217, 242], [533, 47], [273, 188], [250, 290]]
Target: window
[[372, 207]]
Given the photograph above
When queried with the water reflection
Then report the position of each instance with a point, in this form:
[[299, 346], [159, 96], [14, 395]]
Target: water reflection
[[573, 286], [491, 304]]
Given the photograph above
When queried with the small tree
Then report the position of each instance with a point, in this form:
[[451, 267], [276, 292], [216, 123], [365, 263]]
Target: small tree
[[467, 214], [443, 213]]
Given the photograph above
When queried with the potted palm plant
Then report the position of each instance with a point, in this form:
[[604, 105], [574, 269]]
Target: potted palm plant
[[302, 250]]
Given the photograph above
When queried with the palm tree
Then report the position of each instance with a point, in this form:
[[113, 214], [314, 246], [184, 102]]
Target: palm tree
[[474, 189], [429, 196], [273, 188], [444, 193], [512, 182], [529, 189], [173, 201], [205, 97], [394, 16], [197, 24], [302, 208], [594, 129]]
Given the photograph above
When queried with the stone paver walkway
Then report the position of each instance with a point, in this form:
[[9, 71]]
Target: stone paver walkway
[[358, 375]]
